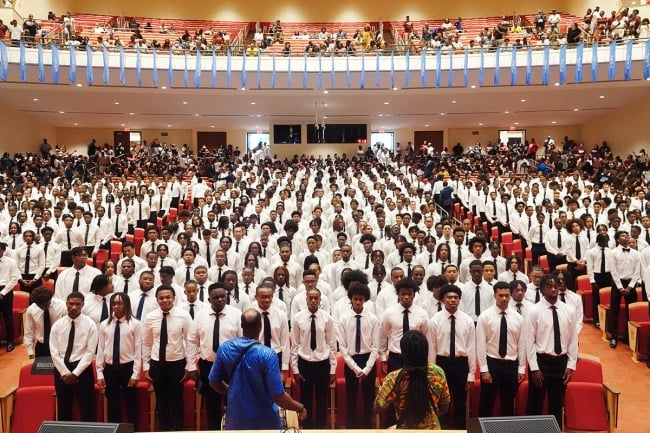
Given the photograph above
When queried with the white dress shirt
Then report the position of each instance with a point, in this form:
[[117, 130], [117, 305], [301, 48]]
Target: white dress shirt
[[346, 335], [279, 333], [626, 265], [488, 330], [65, 281], [130, 345], [9, 274], [83, 349], [178, 328], [202, 330], [36, 259], [35, 325], [467, 302], [465, 341], [391, 329], [301, 338], [540, 336]]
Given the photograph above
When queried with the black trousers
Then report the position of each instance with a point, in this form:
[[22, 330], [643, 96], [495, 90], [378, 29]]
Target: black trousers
[[602, 280], [315, 388], [352, 387], [554, 261], [552, 369], [537, 250], [615, 307], [118, 390], [6, 310], [210, 396], [83, 391], [456, 371], [504, 380], [168, 389], [25, 288], [394, 361], [41, 349]]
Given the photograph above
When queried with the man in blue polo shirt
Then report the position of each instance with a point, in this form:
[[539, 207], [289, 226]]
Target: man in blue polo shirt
[[248, 373]]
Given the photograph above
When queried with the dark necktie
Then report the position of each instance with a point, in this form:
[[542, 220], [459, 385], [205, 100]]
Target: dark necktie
[[563, 297], [207, 254], [467, 239], [140, 211], [237, 247], [13, 243], [477, 301], [589, 236], [578, 252], [87, 233], [116, 345], [541, 234], [430, 258], [68, 349], [126, 286], [530, 222], [247, 289], [109, 211], [367, 261], [219, 276], [647, 235], [75, 283], [45, 252], [439, 306], [559, 238], [160, 206], [405, 322], [602, 260], [99, 222], [47, 326], [187, 274], [312, 339], [378, 288], [452, 337], [503, 336], [519, 305], [460, 256], [192, 311], [494, 208], [557, 344], [228, 298], [104, 310], [409, 271], [507, 215], [138, 313], [69, 240], [550, 219], [201, 294], [215, 333], [537, 294], [117, 220], [281, 294], [27, 259], [267, 329], [162, 352], [357, 335]]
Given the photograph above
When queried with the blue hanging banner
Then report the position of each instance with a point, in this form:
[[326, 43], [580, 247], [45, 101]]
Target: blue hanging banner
[[154, 68], [170, 70], [423, 68], [72, 72], [611, 67], [481, 68], [529, 65], [497, 67], [438, 68], [259, 70], [320, 71], [273, 73], [579, 56], [89, 65], [377, 72], [450, 77], [347, 70], [362, 76], [546, 69], [594, 63], [289, 72], [106, 70], [4, 61], [197, 69], [41, 67], [562, 64], [407, 70], [513, 66], [304, 73], [122, 62], [466, 68], [332, 72], [55, 63], [186, 73], [138, 66], [228, 68], [22, 63], [243, 70], [627, 71], [646, 60], [213, 78], [392, 69]]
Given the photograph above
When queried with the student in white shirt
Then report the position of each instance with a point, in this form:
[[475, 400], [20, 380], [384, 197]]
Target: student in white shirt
[[37, 325]]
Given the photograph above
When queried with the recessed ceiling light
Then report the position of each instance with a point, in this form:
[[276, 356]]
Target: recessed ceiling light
[[325, 105], [243, 88], [164, 87], [395, 88], [196, 115], [473, 87], [480, 124], [258, 115], [426, 126], [76, 124], [79, 85], [386, 103], [61, 112], [117, 103], [554, 122], [523, 100], [506, 112], [602, 96], [325, 92], [381, 115], [122, 124], [131, 114], [453, 102], [442, 114], [576, 109], [253, 103], [516, 123], [211, 126], [557, 84], [169, 126], [35, 99], [184, 102]]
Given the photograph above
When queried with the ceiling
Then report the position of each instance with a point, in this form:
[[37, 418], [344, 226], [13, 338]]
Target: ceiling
[[415, 107]]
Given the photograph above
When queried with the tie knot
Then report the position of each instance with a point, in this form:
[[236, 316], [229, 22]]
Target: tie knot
[[266, 313], [358, 316], [165, 313], [626, 250], [519, 304], [313, 316], [553, 307]]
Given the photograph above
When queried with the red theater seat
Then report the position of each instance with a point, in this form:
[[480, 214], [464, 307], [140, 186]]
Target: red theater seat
[[639, 329]]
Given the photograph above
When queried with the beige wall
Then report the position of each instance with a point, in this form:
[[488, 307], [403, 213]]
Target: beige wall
[[293, 10], [18, 134], [626, 132]]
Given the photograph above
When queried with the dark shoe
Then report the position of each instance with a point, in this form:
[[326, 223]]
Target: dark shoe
[[613, 343], [10, 347], [597, 325]]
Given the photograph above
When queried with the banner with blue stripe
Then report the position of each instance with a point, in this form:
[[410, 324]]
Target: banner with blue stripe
[[106, 72], [627, 71], [423, 68], [466, 69], [154, 69], [513, 66], [481, 68], [22, 63], [362, 76], [213, 77], [55, 63], [407, 70], [138, 66], [594, 62], [562, 66], [197, 69], [529, 66], [72, 71], [497, 67], [89, 65], [546, 69], [438, 68], [579, 58], [611, 67], [41, 66]]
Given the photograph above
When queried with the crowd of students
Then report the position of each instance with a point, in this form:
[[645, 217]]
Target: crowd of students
[[338, 254]]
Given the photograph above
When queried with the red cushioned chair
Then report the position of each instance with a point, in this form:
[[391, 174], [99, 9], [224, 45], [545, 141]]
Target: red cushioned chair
[[543, 262], [590, 404], [584, 289], [603, 313], [101, 257], [21, 302], [639, 330]]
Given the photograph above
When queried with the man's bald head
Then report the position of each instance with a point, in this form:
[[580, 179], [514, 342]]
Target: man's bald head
[[251, 323]]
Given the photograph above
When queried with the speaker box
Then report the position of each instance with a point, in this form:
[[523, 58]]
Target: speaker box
[[514, 424], [84, 427]]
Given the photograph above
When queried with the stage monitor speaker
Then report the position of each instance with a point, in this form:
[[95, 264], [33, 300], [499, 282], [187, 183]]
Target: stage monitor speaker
[[514, 424], [84, 427]]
